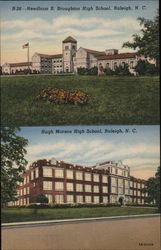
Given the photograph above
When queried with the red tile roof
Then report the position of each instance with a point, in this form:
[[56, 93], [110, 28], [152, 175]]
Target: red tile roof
[[50, 56], [69, 39], [117, 56], [95, 52], [20, 64]]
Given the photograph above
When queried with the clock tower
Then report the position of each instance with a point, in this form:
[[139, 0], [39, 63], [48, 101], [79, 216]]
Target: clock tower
[[69, 48]]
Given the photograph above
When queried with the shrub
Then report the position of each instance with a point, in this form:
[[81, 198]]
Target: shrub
[[82, 71], [42, 199], [38, 205], [60, 96], [143, 67]]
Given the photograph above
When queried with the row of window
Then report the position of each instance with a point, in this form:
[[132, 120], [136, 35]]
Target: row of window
[[24, 191], [57, 66], [119, 182], [57, 61], [138, 193], [79, 199], [115, 64], [137, 185], [59, 173], [45, 60], [59, 186], [119, 171], [120, 190]]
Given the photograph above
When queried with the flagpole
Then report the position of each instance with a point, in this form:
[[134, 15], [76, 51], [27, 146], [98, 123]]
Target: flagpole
[[28, 58]]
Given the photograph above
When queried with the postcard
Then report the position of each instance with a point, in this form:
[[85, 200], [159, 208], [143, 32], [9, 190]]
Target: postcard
[[79, 62], [80, 125], [82, 186]]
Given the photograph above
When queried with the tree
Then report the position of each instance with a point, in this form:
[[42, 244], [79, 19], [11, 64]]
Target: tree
[[153, 189], [13, 162], [147, 43], [42, 199], [145, 68]]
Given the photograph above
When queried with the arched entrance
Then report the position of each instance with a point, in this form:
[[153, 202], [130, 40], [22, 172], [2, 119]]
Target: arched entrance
[[121, 199]]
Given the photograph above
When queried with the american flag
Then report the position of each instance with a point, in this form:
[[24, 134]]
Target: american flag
[[25, 45]]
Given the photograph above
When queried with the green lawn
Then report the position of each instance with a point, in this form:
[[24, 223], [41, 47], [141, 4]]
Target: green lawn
[[28, 214], [114, 100]]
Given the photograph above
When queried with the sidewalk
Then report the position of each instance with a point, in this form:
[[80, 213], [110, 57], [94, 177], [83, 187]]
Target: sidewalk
[[77, 220]]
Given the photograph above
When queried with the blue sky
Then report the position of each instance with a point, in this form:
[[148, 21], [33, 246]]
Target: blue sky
[[45, 30], [139, 148]]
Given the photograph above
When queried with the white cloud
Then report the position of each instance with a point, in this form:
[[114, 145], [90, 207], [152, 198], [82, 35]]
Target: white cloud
[[64, 25], [138, 156], [46, 36]]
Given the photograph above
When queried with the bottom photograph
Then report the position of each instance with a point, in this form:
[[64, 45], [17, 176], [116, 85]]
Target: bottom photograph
[[69, 174]]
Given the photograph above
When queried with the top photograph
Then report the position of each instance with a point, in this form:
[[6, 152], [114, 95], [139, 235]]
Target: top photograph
[[79, 63]]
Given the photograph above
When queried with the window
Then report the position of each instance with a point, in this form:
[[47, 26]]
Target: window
[[123, 64], [105, 199], [113, 181], [105, 189], [69, 186], [47, 172], [104, 179], [24, 180], [134, 192], [126, 184], [115, 65], [79, 199], [69, 174], [32, 175], [66, 47], [27, 178], [131, 192], [96, 199], [138, 193], [135, 185], [120, 172], [28, 190], [59, 186], [59, 172], [50, 197], [87, 188], [138, 185], [113, 199], [36, 173], [79, 187], [87, 176], [47, 185], [24, 201], [100, 67], [59, 198], [96, 177], [24, 191], [79, 175], [127, 191], [131, 64], [131, 184], [28, 200], [96, 189], [88, 199], [120, 182], [70, 199], [114, 189], [107, 66]]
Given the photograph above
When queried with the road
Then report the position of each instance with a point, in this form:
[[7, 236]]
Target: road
[[118, 234]]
